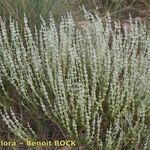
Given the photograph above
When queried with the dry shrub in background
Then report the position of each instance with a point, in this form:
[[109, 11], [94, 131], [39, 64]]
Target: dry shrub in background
[[118, 9]]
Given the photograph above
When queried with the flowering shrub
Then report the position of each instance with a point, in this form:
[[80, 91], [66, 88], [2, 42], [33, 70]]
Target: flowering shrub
[[94, 82]]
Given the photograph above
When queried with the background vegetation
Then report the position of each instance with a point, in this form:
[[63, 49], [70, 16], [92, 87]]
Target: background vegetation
[[118, 9]]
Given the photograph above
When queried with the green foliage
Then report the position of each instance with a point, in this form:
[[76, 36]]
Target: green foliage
[[94, 82], [34, 8]]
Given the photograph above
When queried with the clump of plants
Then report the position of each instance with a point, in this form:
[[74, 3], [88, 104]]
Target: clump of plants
[[93, 82]]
